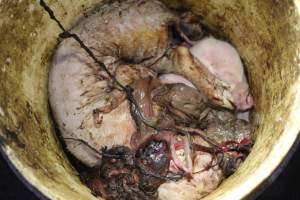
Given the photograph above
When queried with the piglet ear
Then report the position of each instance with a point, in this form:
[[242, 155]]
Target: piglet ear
[[239, 100], [246, 103], [242, 99], [250, 101]]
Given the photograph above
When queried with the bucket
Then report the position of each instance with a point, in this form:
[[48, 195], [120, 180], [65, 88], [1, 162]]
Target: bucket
[[265, 32]]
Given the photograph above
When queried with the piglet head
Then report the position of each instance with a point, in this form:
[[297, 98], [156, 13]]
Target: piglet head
[[242, 98]]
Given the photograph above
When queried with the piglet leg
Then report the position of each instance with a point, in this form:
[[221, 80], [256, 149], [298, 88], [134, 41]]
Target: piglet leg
[[181, 62]]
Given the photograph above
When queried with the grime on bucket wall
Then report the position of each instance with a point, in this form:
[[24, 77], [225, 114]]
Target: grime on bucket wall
[[266, 34]]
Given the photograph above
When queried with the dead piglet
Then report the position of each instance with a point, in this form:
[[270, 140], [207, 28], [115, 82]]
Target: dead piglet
[[185, 103], [186, 28], [117, 177], [181, 62], [234, 136], [116, 167], [153, 162], [125, 174], [81, 94], [206, 176], [131, 31], [82, 99], [222, 125], [189, 27], [223, 60]]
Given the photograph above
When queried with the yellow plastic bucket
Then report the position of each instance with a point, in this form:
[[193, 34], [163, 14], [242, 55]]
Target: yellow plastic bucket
[[265, 32]]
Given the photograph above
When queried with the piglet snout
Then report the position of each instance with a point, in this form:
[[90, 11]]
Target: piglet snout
[[242, 99]]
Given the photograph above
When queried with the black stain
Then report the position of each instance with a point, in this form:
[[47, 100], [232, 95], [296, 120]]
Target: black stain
[[11, 137]]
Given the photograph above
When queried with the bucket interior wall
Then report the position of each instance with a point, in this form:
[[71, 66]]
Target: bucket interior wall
[[266, 34]]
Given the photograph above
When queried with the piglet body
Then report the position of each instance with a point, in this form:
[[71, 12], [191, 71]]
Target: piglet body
[[221, 59], [174, 78]]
